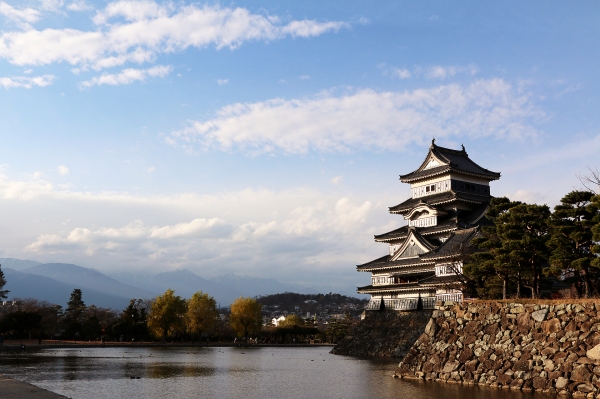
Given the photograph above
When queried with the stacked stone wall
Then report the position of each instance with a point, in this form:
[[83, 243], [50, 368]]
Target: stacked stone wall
[[384, 333], [553, 347]]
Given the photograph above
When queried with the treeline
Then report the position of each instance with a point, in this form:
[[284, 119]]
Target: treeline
[[527, 250], [166, 317], [288, 300]]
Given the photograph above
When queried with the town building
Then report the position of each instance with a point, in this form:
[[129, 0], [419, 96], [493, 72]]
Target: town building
[[449, 197]]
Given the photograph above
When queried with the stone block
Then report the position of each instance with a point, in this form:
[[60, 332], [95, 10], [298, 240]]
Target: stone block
[[539, 315]]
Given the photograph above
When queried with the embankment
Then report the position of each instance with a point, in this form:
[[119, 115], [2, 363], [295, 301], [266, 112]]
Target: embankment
[[548, 347], [384, 334]]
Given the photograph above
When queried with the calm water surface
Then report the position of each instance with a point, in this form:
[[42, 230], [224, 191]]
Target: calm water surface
[[166, 373]]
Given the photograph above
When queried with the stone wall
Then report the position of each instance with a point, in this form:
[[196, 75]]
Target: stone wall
[[544, 347], [384, 333]]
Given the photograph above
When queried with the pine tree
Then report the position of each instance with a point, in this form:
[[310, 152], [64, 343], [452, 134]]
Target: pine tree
[[571, 242], [3, 293], [74, 314]]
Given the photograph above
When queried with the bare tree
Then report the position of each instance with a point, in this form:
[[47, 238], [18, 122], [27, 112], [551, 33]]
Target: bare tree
[[591, 181]]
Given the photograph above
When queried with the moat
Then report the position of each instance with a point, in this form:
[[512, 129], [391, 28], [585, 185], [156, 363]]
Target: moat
[[225, 373]]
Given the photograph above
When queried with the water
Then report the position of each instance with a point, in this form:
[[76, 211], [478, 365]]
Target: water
[[247, 373]]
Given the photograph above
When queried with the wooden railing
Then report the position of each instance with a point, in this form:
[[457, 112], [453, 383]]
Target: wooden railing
[[456, 297]]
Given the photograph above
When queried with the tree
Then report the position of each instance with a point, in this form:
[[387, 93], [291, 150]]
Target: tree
[[571, 242], [74, 315], [167, 315], [3, 293], [21, 322], [594, 207], [201, 313], [292, 321], [245, 317], [489, 267], [523, 232], [132, 323]]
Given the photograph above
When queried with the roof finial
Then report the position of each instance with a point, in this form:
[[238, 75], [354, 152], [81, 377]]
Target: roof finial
[[433, 142], [463, 147]]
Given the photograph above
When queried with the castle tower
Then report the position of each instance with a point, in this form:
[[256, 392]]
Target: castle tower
[[449, 197]]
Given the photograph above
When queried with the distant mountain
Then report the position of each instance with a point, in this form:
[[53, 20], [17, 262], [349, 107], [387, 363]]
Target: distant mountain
[[84, 278], [183, 282], [25, 285], [17, 264], [253, 286]]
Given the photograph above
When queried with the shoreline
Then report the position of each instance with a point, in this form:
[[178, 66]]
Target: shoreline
[[31, 345], [15, 389]]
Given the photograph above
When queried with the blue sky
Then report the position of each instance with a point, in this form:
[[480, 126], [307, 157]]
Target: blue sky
[[265, 138]]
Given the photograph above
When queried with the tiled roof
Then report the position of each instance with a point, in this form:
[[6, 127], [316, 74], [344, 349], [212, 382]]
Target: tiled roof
[[453, 245], [402, 232], [436, 199], [454, 160]]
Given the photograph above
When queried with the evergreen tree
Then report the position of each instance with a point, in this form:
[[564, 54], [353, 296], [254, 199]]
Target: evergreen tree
[[571, 243], [523, 232], [3, 293], [74, 315], [594, 207], [489, 266]]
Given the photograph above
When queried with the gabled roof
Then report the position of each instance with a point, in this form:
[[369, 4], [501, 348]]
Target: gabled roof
[[438, 199], [368, 265], [443, 225], [441, 160], [453, 245], [417, 239]]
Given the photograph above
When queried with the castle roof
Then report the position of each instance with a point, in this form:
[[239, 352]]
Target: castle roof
[[442, 160], [453, 246], [438, 199], [444, 225]]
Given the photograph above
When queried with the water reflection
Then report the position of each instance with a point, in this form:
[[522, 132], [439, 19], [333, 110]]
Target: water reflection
[[226, 373]]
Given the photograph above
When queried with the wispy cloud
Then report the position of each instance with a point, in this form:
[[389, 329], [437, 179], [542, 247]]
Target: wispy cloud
[[137, 31], [443, 72], [429, 72], [367, 119], [27, 82], [63, 170], [127, 76], [222, 82], [79, 5], [22, 17]]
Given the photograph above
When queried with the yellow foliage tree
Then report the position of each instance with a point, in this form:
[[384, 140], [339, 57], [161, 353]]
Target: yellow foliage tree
[[167, 315], [201, 313], [245, 317], [292, 321]]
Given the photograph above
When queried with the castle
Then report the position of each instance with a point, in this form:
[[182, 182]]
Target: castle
[[449, 197]]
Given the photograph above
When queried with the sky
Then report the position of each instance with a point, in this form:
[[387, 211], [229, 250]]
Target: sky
[[265, 138]]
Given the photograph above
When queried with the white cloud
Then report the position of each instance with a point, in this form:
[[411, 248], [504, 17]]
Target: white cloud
[[441, 72], [401, 73], [367, 119], [26, 82], [222, 82], [127, 76], [148, 30], [79, 5], [304, 77], [22, 17], [63, 170], [249, 231], [51, 5], [337, 180], [151, 169]]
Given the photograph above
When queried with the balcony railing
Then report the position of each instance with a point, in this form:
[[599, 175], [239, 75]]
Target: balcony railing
[[455, 297]]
